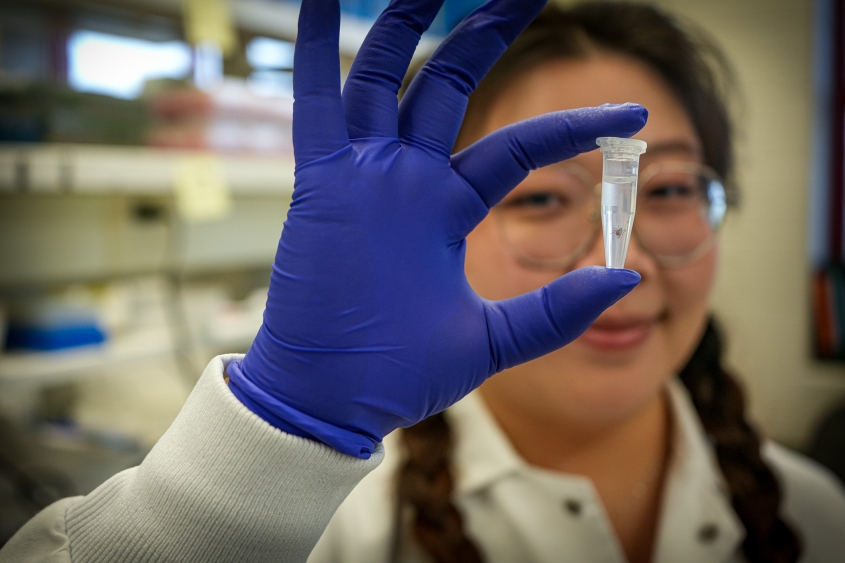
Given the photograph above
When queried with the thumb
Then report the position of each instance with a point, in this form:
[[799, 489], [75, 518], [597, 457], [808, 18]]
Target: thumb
[[531, 325]]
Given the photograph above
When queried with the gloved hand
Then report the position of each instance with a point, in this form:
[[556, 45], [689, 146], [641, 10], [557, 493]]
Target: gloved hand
[[370, 322]]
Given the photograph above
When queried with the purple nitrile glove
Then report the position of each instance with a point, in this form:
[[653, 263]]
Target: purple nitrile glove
[[370, 322]]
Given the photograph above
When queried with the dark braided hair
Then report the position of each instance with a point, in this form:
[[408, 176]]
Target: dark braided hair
[[755, 491], [701, 79], [425, 483]]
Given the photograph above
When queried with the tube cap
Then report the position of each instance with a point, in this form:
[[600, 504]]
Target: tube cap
[[620, 146]]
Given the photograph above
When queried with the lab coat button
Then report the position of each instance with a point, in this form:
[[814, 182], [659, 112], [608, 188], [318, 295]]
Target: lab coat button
[[708, 533], [572, 506]]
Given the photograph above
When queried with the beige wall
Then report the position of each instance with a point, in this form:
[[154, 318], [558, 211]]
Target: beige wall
[[763, 295]]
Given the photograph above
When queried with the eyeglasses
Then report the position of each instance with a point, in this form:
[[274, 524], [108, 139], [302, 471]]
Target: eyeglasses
[[680, 207]]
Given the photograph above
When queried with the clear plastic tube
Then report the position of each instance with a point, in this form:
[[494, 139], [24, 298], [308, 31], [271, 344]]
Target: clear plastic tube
[[620, 167]]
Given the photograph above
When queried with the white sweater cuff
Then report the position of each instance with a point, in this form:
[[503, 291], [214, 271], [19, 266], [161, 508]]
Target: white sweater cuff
[[220, 485]]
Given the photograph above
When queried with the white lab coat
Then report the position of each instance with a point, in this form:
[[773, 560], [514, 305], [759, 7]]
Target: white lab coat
[[222, 485], [519, 513]]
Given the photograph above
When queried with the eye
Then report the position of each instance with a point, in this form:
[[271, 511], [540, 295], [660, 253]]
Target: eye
[[671, 190], [539, 201]]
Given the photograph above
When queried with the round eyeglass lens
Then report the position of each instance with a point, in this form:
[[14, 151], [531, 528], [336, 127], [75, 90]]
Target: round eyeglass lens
[[679, 208], [552, 221]]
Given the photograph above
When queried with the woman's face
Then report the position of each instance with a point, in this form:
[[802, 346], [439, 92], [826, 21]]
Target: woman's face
[[620, 364]]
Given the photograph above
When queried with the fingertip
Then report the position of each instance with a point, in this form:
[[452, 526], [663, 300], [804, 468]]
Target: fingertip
[[627, 107], [613, 283], [607, 120], [638, 114], [625, 277], [618, 280], [642, 111]]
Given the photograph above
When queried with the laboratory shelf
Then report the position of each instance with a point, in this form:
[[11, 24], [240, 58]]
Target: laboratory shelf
[[279, 19], [63, 365], [44, 368], [103, 169]]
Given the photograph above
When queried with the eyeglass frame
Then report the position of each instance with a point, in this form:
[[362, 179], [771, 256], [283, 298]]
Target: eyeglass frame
[[716, 194]]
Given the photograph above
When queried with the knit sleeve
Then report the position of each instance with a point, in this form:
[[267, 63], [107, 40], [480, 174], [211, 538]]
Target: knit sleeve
[[220, 485]]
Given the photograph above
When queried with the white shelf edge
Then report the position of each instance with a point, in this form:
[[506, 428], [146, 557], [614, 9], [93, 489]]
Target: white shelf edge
[[102, 169], [60, 365], [41, 368]]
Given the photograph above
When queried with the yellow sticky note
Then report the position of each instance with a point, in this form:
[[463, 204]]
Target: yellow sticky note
[[209, 21], [201, 190]]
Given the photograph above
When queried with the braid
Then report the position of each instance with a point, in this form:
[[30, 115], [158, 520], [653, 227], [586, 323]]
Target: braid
[[425, 484], [756, 494]]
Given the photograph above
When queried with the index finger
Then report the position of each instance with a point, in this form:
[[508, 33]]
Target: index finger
[[494, 165]]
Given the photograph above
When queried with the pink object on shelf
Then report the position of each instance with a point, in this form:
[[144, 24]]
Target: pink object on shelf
[[228, 119]]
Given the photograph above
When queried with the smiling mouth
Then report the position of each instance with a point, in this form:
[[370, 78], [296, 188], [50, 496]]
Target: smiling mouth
[[618, 335]]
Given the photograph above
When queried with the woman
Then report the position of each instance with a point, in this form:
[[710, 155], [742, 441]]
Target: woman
[[601, 407], [372, 324]]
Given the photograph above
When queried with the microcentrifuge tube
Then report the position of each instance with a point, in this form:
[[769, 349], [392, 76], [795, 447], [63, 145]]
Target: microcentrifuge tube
[[620, 166]]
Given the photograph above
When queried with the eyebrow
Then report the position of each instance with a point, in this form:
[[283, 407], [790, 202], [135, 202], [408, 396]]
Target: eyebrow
[[673, 146]]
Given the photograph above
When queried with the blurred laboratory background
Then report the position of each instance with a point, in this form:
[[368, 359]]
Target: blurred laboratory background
[[146, 168]]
